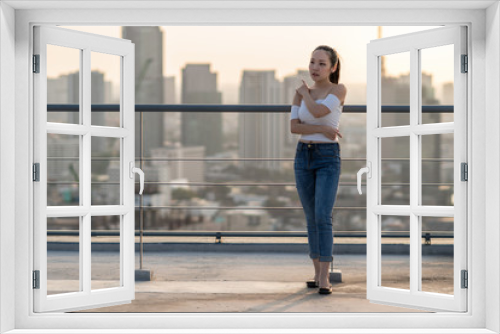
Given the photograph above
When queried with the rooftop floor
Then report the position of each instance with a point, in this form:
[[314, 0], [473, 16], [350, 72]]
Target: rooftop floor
[[190, 281]]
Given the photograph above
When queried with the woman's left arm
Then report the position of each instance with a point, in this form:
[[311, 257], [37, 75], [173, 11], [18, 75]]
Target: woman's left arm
[[317, 109]]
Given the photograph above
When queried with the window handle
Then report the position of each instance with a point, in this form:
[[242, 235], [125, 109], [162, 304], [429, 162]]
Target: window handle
[[134, 170], [368, 171]]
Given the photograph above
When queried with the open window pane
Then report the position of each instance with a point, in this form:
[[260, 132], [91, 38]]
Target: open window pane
[[105, 87], [437, 254], [395, 171], [106, 269], [63, 83], [438, 170], [395, 87], [395, 257], [63, 255], [106, 171], [437, 78], [63, 170]]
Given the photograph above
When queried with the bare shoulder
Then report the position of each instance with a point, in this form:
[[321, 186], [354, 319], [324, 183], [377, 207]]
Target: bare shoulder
[[340, 91]]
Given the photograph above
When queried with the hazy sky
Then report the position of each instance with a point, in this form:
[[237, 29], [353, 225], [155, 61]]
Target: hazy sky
[[230, 49]]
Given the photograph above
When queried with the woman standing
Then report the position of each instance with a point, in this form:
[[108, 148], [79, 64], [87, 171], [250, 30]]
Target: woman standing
[[315, 116]]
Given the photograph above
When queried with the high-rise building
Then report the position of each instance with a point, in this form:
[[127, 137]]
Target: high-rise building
[[57, 93], [292, 82], [97, 93], [73, 80], [447, 98], [169, 90], [98, 96], [262, 135], [148, 83], [199, 86], [171, 120]]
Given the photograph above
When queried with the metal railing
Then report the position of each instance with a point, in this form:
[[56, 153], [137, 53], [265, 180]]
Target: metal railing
[[142, 108]]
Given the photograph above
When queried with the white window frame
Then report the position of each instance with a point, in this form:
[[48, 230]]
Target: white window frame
[[483, 103], [123, 51], [412, 45]]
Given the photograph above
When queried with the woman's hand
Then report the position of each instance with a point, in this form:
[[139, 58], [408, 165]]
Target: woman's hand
[[304, 89], [331, 133]]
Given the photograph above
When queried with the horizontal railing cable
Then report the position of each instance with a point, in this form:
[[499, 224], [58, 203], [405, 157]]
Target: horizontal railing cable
[[231, 184]]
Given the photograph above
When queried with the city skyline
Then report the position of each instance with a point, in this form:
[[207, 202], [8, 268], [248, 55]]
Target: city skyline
[[172, 139], [357, 91], [230, 60]]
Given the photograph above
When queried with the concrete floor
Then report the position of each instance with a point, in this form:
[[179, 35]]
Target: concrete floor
[[186, 282]]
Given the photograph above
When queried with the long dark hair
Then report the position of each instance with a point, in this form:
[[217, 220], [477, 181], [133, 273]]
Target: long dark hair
[[334, 59]]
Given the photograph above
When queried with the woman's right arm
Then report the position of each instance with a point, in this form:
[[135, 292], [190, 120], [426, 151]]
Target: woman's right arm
[[306, 129]]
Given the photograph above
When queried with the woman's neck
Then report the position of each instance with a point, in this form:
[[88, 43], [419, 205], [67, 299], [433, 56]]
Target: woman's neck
[[323, 84]]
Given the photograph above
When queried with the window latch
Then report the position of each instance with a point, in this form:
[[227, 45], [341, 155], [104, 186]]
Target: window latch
[[132, 171], [368, 171]]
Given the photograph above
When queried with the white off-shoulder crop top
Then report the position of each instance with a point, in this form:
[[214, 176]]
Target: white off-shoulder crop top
[[332, 119]]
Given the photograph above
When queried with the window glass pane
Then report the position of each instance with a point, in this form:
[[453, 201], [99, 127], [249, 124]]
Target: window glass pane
[[395, 171], [105, 260], [203, 129], [106, 171], [437, 254], [105, 87], [260, 137], [395, 266], [63, 255], [172, 129], [437, 79], [395, 87], [176, 193], [63, 83], [437, 169], [157, 139], [63, 170]]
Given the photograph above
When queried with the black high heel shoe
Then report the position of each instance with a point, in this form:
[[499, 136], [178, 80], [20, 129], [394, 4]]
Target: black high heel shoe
[[325, 291], [312, 284]]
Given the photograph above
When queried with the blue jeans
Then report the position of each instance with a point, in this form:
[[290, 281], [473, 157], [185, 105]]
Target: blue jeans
[[317, 173]]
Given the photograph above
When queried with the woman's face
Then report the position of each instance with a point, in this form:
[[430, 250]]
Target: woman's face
[[320, 66]]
